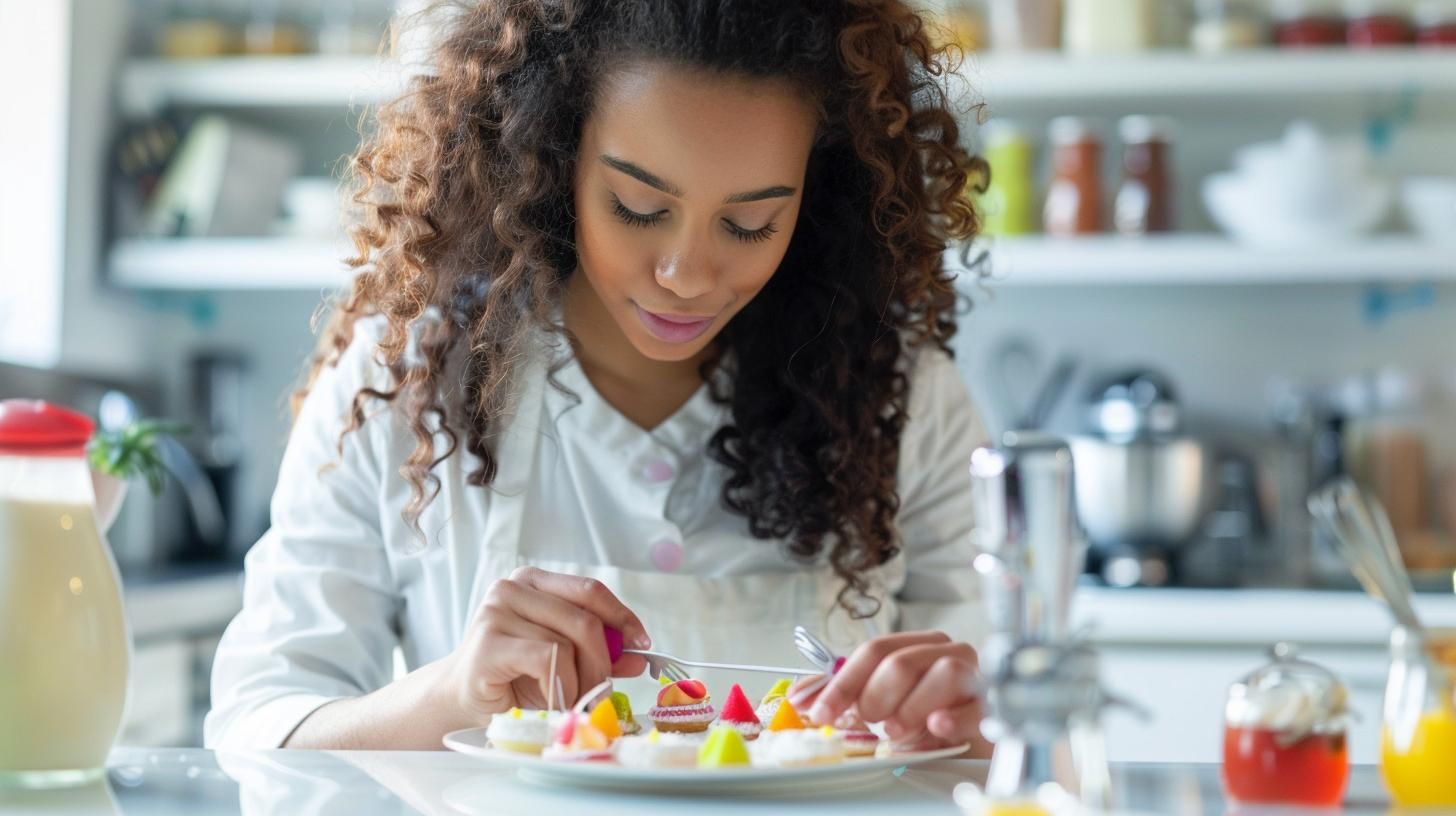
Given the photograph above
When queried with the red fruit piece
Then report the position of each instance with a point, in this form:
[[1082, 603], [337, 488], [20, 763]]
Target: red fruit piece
[[736, 708], [693, 688]]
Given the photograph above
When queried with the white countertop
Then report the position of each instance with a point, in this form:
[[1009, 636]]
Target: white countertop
[[1243, 616], [367, 783]]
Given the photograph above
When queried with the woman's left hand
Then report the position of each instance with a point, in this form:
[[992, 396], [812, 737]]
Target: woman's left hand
[[921, 685]]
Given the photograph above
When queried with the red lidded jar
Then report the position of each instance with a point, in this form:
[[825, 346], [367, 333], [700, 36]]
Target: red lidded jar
[[1307, 24]]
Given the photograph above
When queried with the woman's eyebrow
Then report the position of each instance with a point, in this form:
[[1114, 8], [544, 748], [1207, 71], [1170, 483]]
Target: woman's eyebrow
[[657, 182], [623, 166]]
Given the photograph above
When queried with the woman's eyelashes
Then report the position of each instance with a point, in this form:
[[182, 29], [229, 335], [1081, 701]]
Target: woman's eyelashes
[[633, 217], [637, 219]]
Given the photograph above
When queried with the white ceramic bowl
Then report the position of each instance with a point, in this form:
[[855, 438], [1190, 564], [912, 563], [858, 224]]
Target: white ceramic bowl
[[1256, 212], [1430, 206]]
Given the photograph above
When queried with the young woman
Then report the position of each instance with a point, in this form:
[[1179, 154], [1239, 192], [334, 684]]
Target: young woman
[[650, 331]]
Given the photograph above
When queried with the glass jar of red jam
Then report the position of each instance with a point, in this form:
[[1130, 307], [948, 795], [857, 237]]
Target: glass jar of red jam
[[1435, 22], [1285, 727], [1376, 24], [1308, 24]]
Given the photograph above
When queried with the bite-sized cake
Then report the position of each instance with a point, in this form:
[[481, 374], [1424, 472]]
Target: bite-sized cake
[[577, 740], [724, 748], [623, 705], [798, 748], [682, 707], [604, 718], [737, 713], [520, 731], [857, 737], [658, 750], [769, 705], [786, 719]]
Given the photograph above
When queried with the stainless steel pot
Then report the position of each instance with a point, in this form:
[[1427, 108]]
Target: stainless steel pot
[[1150, 493]]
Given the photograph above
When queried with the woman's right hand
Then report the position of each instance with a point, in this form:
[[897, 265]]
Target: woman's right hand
[[504, 659]]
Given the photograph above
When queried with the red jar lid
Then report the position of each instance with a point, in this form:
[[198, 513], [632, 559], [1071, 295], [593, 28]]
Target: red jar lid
[[39, 427]]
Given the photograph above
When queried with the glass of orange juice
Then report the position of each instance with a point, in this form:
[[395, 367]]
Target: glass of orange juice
[[1418, 734]]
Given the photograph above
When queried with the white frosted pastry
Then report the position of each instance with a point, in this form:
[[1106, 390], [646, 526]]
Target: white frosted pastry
[[521, 731], [658, 750], [797, 747]]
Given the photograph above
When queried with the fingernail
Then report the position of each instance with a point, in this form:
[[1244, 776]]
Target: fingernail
[[819, 713], [642, 642], [799, 699]]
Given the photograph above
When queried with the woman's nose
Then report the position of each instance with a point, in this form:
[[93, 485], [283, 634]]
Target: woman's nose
[[687, 273]]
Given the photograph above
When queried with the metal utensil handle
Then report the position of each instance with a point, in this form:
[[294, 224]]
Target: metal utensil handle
[[698, 664]]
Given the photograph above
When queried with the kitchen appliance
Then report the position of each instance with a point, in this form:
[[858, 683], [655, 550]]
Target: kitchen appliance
[[1143, 487], [1043, 691]]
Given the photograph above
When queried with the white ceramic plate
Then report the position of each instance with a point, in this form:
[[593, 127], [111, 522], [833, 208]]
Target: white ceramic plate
[[848, 775]]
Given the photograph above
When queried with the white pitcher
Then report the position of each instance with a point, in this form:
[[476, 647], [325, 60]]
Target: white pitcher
[[65, 649]]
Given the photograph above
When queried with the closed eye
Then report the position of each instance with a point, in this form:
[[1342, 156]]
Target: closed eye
[[750, 236], [633, 217]]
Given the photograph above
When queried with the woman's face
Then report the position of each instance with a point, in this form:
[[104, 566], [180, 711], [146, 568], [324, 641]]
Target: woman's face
[[687, 191]]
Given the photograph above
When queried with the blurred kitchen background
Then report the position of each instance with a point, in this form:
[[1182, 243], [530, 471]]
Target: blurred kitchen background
[[1221, 254]]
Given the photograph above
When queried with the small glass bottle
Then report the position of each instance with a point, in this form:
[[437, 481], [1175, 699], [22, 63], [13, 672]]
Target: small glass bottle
[[1025, 25], [1144, 201], [1418, 734], [1074, 199], [1376, 24], [1110, 26], [1228, 25], [1285, 734], [1435, 22], [1007, 206], [1307, 24]]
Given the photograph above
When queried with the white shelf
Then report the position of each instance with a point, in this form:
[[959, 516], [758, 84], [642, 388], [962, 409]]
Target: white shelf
[[1208, 259], [1053, 77], [230, 263], [148, 85], [286, 263]]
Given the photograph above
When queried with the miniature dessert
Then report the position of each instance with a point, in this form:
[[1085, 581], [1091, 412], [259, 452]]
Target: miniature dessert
[[738, 714], [604, 718], [769, 705], [682, 707], [658, 750], [724, 748], [786, 719], [519, 731], [857, 737], [798, 748], [577, 740], [625, 722]]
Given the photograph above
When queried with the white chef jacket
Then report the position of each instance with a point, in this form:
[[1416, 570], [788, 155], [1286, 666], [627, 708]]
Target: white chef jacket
[[341, 582]]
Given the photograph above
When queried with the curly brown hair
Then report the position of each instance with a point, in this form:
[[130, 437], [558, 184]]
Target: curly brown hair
[[467, 226]]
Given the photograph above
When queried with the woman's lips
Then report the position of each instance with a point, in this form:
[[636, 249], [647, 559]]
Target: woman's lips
[[673, 328]]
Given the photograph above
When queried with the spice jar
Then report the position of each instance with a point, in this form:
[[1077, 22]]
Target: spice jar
[[1144, 201], [1074, 199], [1285, 734], [1435, 22], [1307, 23], [1418, 733], [1227, 25], [1376, 24], [1007, 205], [1025, 25], [1109, 26]]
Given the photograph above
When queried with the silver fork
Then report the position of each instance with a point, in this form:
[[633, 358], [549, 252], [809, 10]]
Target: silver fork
[[659, 664]]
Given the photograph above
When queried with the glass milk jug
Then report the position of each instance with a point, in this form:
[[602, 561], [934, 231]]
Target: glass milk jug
[[64, 644]]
